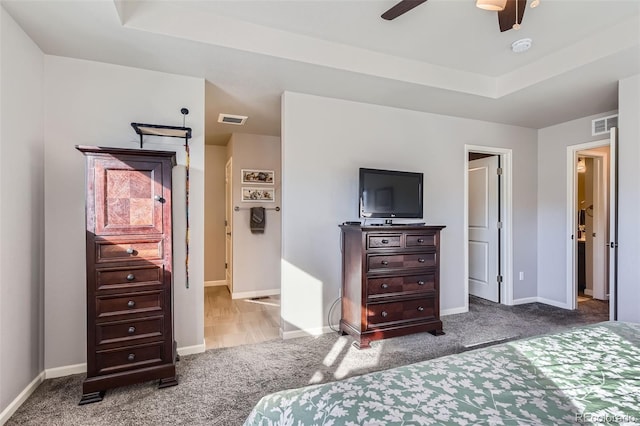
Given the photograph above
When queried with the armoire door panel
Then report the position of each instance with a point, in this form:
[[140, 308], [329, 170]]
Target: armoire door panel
[[129, 197]]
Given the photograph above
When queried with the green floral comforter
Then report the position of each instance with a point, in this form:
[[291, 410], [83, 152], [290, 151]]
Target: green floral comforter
[[587, 375]]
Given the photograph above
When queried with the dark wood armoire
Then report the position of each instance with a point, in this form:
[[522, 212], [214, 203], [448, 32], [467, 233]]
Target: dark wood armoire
[[130, 335]]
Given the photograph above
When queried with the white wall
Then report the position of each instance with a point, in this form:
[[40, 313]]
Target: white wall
[[552, 203], [325, 141], [21, 211], [90, 103], [256, 257], [629, 199]]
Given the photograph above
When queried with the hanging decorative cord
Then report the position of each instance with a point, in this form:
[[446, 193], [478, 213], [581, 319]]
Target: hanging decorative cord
[[184, 112]]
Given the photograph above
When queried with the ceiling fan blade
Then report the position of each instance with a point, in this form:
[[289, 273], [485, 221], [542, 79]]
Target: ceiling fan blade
[[403, 7], [507, 17]]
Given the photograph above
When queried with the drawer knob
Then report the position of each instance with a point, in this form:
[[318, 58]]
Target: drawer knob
[[421, 260], [420, 282], [420, 309], [385, 285], [385, 262], [131, 357], [384, 313], [131, 277], [131, 330], [420, 240], [130, 250], [385, 241], [131, 303]]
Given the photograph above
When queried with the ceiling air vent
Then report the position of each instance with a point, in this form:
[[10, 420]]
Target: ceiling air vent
[[238, 120], [600, 126]]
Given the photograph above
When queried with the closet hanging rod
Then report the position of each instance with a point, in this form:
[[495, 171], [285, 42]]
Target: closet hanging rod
[[236, 208]]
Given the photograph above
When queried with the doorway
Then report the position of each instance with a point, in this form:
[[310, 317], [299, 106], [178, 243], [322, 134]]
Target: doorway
[[228, 224], [589, 207], [488, 224]]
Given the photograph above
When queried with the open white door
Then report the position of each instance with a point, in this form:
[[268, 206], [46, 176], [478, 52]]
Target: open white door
[[483, 228], [228, 222], [613, 225]]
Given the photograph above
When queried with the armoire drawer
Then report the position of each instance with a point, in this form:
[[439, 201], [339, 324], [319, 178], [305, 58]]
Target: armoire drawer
[[410, 284], [128, 332], [132, 303], [117, 250], [123, 278], [379, 314], [128, 358]]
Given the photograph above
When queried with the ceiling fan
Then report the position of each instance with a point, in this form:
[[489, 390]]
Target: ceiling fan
[[512, 10]]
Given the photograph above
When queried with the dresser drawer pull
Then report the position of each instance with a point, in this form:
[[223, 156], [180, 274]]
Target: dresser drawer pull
[[420, 240], [131, 330], [385, 241], [131, 277], [131, 357], [420, 282], [384, 313], [385, 285], [385, 262], [131, 304], [421, 260], [420, 309], [130, 250]]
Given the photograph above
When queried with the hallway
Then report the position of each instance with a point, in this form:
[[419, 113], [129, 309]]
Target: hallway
[[229, 322]]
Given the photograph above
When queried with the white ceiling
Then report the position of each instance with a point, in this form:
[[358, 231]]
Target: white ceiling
[[445, 56]]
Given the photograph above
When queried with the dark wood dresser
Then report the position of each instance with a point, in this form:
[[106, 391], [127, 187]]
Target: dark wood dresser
[[129, 266], [390, 281]]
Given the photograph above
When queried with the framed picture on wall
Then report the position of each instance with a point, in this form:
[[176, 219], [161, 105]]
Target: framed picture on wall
[[258, 176], [264, 195]]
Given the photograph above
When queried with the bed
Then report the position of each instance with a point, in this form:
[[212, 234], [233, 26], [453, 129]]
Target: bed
[[589, 374]]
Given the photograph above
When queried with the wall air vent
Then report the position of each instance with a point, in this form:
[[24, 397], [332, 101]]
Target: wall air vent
[[600, 126], [238, 120]]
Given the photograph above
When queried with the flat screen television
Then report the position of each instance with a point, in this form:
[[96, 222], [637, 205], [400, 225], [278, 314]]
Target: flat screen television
[[390, 194]]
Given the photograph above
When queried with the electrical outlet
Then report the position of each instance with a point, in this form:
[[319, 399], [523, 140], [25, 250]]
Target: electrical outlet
[[521, 276]]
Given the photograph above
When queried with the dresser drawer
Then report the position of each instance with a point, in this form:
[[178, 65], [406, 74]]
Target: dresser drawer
[[397, 312], [127, 332], [114, 250], [420, 240], [382, 287], [133, 303], [416, 260], [382, 241], [122, 278], [128, 358]]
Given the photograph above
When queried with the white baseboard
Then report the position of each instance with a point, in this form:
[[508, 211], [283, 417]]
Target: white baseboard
[[588, 291], [21, 398], [553, 303], [67, 370], [525, 300], [305, 333], [259, 293], [215, 283], [453, 311], [190, 350]]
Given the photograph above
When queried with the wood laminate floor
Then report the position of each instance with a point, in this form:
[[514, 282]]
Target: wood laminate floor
[[229, 322]]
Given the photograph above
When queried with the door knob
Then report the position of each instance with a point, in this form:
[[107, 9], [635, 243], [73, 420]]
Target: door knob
[[158, 198]]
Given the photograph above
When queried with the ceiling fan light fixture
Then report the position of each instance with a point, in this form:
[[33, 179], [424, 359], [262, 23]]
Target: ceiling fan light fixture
[[535, 3], [492, 5]]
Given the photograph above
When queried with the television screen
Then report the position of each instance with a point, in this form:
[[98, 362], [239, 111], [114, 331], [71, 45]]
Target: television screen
[[390, 193]]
